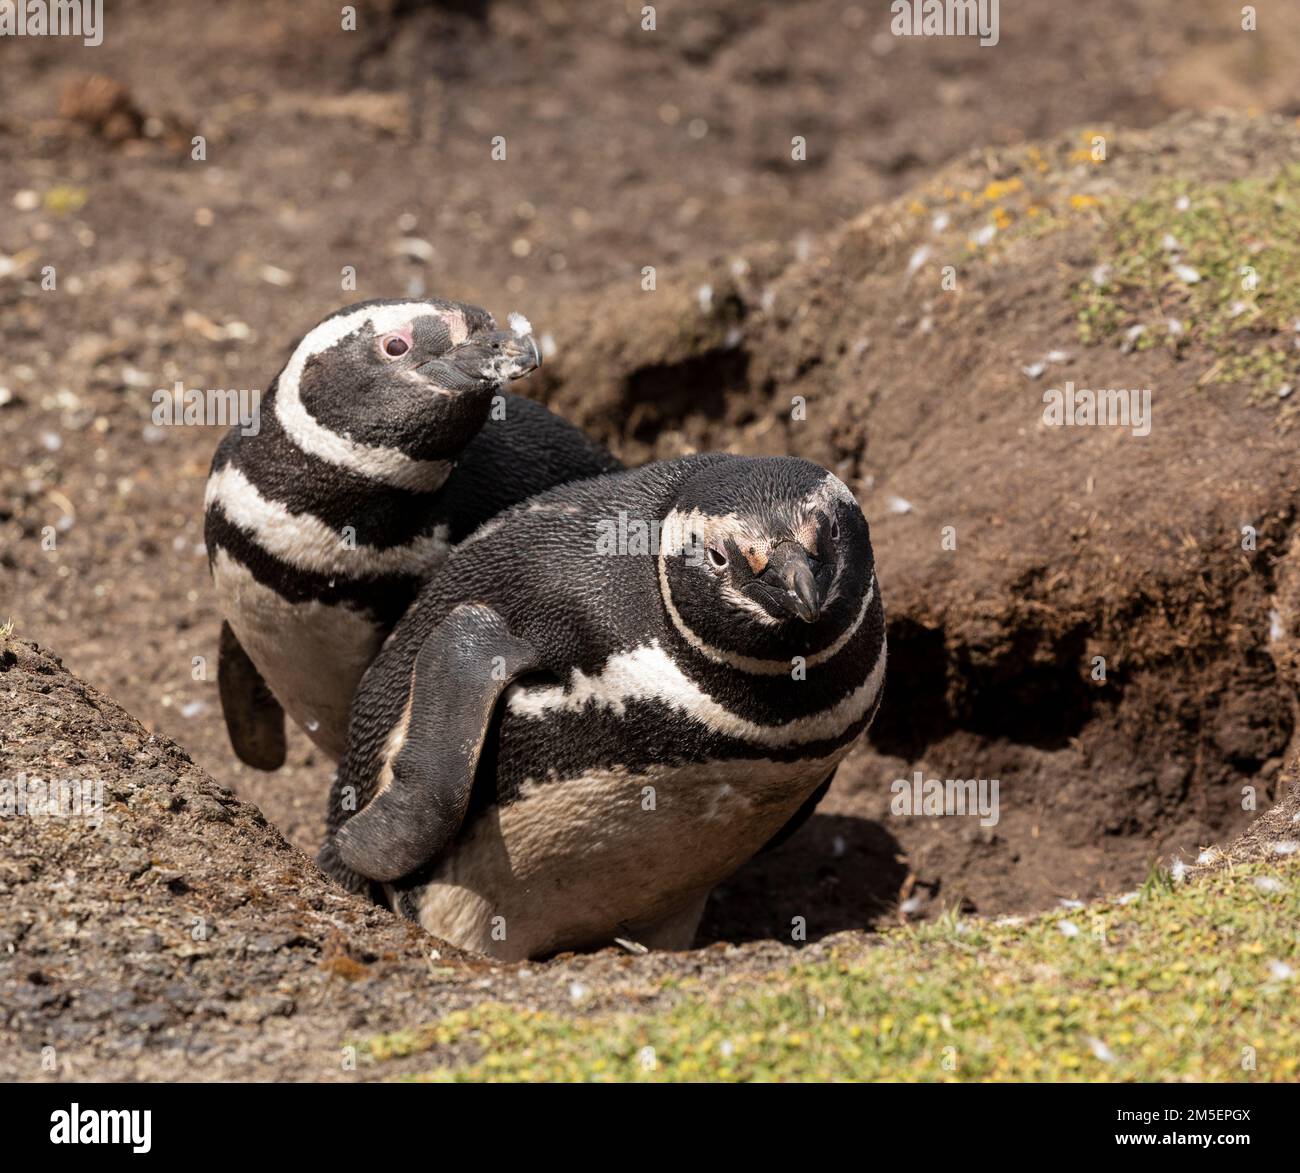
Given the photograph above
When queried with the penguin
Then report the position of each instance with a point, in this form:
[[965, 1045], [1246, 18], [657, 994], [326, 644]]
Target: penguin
[[385, 439], [608, 699]]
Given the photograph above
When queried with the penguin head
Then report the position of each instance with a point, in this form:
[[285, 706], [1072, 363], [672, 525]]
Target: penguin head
[[415, 377], [764, 558]]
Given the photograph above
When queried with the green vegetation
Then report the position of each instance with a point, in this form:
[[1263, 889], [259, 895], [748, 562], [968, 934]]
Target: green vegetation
[[1217, 265], [1181, 981]]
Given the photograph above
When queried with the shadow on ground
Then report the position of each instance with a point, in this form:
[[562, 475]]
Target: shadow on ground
[[839, 872]]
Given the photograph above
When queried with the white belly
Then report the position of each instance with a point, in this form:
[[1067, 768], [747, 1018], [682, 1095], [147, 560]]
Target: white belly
[[311, 655], [576, 863]]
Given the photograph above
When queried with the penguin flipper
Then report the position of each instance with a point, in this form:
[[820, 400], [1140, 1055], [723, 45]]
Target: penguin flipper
[[801, 816], [460, 672], [254, 718]]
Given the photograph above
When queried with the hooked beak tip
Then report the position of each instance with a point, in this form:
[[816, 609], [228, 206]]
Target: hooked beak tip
[[500, 357], [802, 597]]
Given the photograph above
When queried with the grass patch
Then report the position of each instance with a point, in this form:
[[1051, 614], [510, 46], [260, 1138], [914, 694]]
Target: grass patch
[[1216, 266], [1190, 981]]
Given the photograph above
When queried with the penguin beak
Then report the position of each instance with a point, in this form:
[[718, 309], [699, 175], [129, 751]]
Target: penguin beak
[[498, 357], [797, 586]]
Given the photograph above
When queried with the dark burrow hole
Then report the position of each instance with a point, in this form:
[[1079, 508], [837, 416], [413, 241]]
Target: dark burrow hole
[[1020, 695], [664, 395]]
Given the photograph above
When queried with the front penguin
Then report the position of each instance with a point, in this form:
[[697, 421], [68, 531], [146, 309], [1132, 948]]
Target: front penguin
[[609, 699], [386, 438]]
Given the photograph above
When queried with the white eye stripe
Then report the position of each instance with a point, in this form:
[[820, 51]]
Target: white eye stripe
[[389, 465]]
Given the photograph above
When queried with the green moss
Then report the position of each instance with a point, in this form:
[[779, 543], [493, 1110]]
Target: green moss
[[1181, 982], [65, 199], [1221, 262]]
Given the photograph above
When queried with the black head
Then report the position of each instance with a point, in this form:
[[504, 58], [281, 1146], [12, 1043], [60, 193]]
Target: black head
[[411, 377], [765, 558]]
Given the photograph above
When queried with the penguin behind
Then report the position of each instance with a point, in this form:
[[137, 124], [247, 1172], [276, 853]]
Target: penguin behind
[[385, 439], [610, 698]]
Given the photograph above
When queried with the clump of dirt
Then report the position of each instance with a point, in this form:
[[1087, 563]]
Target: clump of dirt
[[104, 105], [106, 109]]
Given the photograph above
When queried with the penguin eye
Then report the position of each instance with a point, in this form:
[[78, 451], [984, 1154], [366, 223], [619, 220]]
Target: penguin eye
[[395, 345], [717, 559]]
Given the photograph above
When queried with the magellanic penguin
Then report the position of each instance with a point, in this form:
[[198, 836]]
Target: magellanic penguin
[[385, 439], [608, 699]]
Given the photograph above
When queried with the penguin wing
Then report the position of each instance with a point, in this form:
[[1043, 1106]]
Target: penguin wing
[[254, 718], [460, 672]]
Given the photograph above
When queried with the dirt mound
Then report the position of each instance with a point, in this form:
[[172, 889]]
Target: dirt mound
[[176, 926]]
